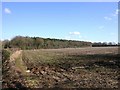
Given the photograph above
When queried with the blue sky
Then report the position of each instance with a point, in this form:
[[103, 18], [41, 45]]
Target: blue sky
[[83, 21]]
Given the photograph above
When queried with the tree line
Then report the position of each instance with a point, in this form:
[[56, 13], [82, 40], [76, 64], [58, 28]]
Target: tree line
[[104, 44], [22, 42], [42, 43]]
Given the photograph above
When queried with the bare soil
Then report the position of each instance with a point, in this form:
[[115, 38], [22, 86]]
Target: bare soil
[[92, 67]]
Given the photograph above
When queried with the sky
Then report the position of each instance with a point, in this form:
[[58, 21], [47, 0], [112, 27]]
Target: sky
[[60, 0], [83, 21]]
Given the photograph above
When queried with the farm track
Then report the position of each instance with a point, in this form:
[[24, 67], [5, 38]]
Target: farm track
[[15, 55], [17, 63]]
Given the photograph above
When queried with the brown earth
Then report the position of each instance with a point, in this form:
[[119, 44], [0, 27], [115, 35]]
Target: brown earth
[[97, 68]]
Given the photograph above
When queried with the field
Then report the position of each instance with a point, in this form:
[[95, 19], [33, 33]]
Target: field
[[90, 67]]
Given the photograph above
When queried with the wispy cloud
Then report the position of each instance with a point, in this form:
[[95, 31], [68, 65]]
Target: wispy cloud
[[7, 10], [111, 16], [107, 18], [116, 12], [73, 36], [74, 33]]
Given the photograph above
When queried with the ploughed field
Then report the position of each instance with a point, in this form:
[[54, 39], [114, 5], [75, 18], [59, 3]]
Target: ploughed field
[[91, 67]]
